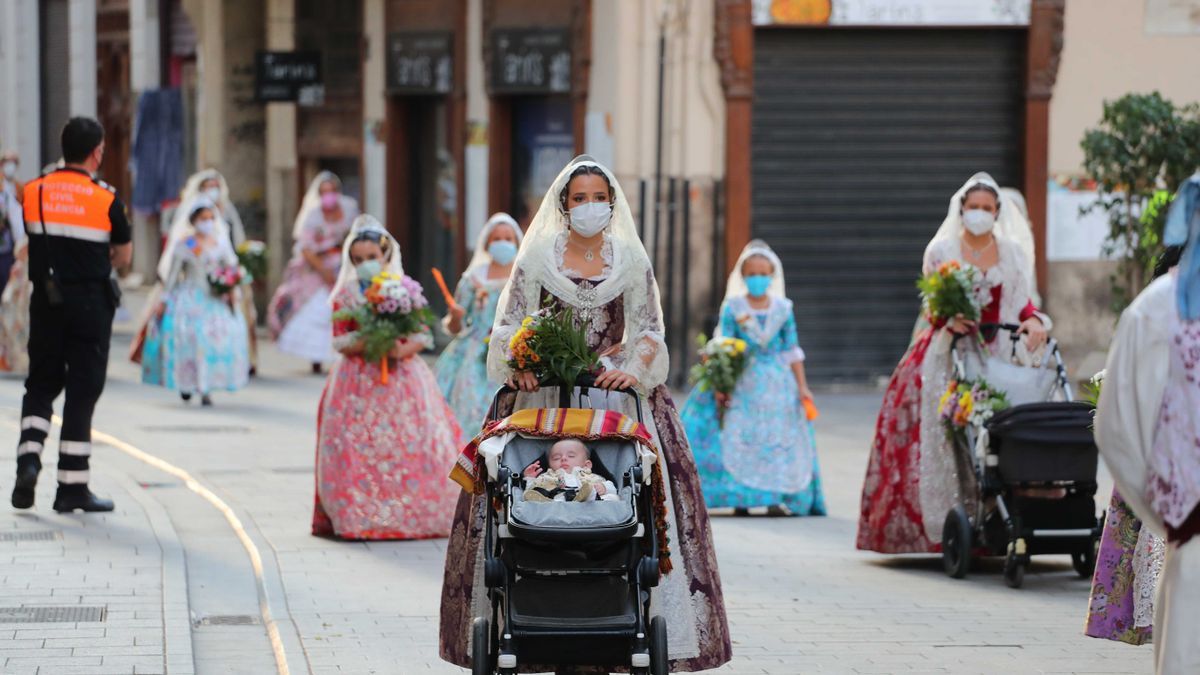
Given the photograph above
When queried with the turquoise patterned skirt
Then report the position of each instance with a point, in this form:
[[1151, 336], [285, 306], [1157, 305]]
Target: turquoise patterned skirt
[[766, 453], [199, 346], [462, 376]]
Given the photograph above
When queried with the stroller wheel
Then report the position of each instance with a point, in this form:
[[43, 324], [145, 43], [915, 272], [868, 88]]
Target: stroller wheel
[[658, 646], [481, 642], [1014, 571], [957, 538]]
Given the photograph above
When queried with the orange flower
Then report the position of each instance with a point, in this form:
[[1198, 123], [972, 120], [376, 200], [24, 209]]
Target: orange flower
[[948, 267]]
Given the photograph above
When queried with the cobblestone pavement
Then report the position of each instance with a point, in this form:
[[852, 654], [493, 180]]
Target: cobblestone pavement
[[180, 595]]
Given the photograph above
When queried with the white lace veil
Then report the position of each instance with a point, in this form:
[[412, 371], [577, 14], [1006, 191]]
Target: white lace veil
[[348, 275], [736, 286], [311, 204], [181, 228], [229, 212], [537, 257], [1011, 222], [481, 256]]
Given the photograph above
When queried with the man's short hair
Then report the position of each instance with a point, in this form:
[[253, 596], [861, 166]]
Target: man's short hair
[[80, 137]]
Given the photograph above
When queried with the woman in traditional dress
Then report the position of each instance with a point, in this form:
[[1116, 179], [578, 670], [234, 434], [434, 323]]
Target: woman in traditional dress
[[582, 252], [913, 479], [765, 453], [383, 445], [1130, 559], [298, 314], [14, 313], [462, 368], [198, 344], [1148, 430]]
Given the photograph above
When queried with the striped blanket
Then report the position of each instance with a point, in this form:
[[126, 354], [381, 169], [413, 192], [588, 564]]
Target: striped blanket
[[581, 423]]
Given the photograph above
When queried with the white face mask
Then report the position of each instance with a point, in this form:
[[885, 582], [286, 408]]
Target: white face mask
[[588, 220], [206, 226], [10, 169], [213, 194], [978, 222]]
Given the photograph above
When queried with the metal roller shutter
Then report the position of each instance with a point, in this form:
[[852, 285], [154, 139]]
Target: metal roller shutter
[[859, 139], [55, 58]]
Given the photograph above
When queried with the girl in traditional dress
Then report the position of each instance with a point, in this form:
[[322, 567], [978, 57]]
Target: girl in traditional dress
[[212, 184], [298, 314], [462, 368], [1148, 430], [198, 345], [912, 477], [765, 453], [582, 252], [383, 447]]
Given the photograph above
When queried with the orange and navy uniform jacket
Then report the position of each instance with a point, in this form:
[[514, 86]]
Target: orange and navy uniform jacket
[[83, 218]]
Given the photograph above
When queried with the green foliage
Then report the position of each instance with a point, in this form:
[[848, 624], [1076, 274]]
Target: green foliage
[[722, 362], [1143, 148], [556, 348]]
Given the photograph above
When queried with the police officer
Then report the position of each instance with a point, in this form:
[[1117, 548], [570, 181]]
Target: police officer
[[77, 232]]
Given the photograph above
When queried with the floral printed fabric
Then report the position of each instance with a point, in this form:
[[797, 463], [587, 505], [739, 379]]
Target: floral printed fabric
[[300, 281], [1118, 590], [1173, 484], [462, 367], [765, 455], [383, 452], [14, 319]]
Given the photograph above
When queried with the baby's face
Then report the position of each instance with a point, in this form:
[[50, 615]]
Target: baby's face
[[568, 455]]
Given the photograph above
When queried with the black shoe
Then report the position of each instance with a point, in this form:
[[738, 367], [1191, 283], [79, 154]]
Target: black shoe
[[741, 511], [185, 395], [86, 502], [253, 371], [27, 475], [778, 511], [205, 400], [316, 369]]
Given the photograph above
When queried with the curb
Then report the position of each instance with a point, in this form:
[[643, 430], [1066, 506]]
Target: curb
[[177, 622]]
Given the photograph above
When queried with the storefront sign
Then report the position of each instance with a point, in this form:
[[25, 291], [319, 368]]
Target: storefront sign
[[420, 63], [288, 76], [891, 12], [531, 61]]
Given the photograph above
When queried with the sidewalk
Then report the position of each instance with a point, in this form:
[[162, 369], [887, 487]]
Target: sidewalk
[[94, 593]]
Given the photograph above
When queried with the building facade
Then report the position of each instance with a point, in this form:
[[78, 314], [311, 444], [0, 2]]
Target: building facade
[[834, 129]]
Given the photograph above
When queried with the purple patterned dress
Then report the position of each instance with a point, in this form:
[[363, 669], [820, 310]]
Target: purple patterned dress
[[695, 574], [1127, 567]]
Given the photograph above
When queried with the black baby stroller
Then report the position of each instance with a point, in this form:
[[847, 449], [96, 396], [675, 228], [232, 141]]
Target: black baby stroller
[[1032, 467], [569, 583]]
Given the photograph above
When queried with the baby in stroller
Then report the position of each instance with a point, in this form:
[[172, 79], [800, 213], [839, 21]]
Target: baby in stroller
[[569, 478]]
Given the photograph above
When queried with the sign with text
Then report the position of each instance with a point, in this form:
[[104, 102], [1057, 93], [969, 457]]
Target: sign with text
[[531, 61], [420, 62], [891, 12], [288, 76]]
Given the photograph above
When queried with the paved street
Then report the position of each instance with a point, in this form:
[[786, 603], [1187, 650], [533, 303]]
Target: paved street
[[179, 594]]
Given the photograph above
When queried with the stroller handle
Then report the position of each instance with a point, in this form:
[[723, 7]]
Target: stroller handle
[[585, 381]]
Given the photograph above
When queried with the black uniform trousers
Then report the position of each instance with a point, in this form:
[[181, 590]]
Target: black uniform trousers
[[68, 350]]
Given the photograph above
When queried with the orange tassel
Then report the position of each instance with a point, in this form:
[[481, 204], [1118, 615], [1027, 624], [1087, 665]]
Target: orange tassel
[[383, 370], [441, 282], [810, 409]]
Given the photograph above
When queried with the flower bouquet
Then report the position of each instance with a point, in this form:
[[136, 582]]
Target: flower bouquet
[[224, 277], [954, 289], [722, 361], [252, 255], [395, 307], [969, 403], [553, 346]]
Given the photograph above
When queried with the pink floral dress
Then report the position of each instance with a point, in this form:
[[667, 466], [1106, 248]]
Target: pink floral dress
[[383, 450]]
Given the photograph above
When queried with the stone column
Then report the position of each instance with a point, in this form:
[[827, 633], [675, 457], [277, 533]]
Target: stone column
[[281, 147]]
